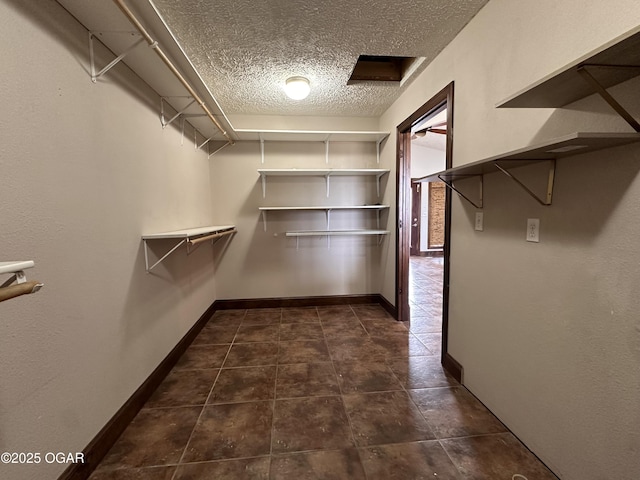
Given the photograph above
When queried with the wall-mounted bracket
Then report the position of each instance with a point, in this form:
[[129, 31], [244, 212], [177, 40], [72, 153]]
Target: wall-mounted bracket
[[165, 122], [600, 90], [449, 183], [546, 201], [95, 75]]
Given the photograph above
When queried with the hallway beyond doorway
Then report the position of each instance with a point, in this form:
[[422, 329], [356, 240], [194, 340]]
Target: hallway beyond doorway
[[425, 300]]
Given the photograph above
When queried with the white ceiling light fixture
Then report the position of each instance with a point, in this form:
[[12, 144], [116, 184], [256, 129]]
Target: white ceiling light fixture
[[297, 88]]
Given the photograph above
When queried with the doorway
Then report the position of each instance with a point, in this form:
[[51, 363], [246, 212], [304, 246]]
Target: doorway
[[434, 118]]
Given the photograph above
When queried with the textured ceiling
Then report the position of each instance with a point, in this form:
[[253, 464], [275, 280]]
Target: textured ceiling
[[245, 50]]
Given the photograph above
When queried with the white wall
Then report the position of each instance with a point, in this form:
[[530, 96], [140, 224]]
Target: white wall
[[548, 333], [85, 170], [425, 161], [261, 264]]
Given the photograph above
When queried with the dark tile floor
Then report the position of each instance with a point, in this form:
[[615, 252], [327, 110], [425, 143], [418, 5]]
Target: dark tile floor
[[342, 392]]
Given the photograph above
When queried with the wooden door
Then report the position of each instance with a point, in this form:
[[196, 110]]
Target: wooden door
[[416, 211]]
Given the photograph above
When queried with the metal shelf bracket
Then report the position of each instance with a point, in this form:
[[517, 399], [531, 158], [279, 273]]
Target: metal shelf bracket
[[452, 187], [546, 201], [166, 122], [600, 90], [96, 75]]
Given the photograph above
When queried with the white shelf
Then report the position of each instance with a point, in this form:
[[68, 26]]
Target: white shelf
[[311, 135], [190, 236], [14, 267], [326, 209], [327, 173], [332, 233], [550, 151], [22, 287]]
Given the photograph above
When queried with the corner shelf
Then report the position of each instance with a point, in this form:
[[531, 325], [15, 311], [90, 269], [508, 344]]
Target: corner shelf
[[191, 236], [568, 145], [321, 172], [326, 209], [325, 136], [609, 65], [22, 287]]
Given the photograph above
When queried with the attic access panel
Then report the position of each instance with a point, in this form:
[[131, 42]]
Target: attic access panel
[[374, 68]]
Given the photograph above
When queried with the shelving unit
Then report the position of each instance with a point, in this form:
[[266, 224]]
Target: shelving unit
[[550, 151], [192, 237], [16, 270], [320, 172], [326, 209], [325, 136]]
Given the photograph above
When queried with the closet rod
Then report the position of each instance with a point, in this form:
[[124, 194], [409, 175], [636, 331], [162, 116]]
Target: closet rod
[[154, 44], [211, 237]]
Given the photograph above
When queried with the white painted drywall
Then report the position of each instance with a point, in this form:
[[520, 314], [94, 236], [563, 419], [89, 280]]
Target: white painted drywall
[[548, 333], [85, 170]]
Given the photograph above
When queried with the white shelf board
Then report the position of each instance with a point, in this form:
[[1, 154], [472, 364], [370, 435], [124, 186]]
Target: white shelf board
[[568, 145], [340, 207], [565, 85], [331, 233], [17, 266], [188, 233], [310, 135], [322, 172]]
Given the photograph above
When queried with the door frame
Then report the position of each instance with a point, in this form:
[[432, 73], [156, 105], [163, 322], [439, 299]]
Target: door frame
[[403, 201]]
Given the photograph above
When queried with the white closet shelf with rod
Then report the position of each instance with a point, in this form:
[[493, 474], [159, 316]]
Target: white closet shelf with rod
[[327, 209], [22, 286], [191, 236]]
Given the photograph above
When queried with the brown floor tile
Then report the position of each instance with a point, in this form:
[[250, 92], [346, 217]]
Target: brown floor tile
[[312, 423], [148, 473], [198, 357], [432, 341], [231, 430], [364, 376], [425, 324], [355, 348], [248, 384], [336, 312], [262, 316], [306, 379], [498, 457], [324, 464], [404, 461], [300, 315], [252, 354], [343, 329], [257, 333], [245, 469], [301, 331], [421, 372], [154, 437], [227, 317], [385, 326], [454, 412], [388, 417], [402, 345], [182, 388], [214, 334], [371, 312], [304, 351]]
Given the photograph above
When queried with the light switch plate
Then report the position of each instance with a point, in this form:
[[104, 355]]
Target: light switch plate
[[479, 221], [533, 230]]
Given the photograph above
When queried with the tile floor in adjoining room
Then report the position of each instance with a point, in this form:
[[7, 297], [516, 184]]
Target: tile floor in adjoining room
[[339, 392]]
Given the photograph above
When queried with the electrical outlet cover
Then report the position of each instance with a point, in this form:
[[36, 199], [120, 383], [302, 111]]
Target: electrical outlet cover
[[533, 230]]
